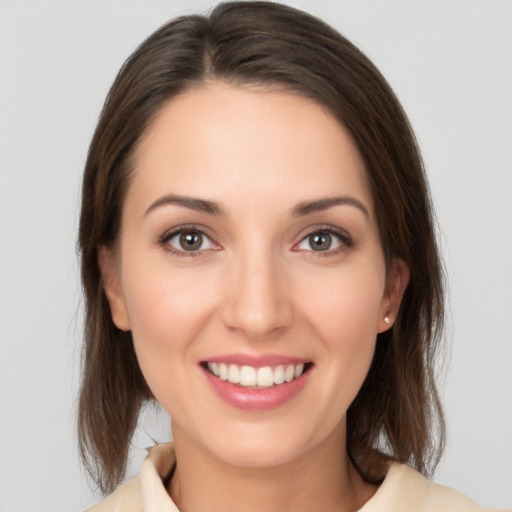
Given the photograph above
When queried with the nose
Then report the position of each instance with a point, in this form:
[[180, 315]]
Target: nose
[[257, 301]]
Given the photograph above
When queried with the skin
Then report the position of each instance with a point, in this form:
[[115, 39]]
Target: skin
[[255, 286]]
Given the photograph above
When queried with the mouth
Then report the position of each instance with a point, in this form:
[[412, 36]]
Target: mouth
[[251, 377]]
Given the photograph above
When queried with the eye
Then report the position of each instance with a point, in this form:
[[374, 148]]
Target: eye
[[185, 241], [325, 240]]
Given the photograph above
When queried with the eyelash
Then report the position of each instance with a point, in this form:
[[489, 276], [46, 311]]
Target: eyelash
[[342, 237], [163, 241]]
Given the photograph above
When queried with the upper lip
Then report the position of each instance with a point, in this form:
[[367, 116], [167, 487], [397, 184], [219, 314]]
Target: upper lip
[[256, 361]]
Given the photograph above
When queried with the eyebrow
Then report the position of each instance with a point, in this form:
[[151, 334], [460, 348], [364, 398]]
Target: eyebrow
[[319, 205], [213, 208], [200, 205]]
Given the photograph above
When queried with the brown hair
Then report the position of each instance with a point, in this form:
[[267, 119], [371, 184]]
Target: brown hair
[[397, 411]]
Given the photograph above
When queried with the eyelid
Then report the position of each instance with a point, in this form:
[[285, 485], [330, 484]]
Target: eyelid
[[342, 235], [168, 235]]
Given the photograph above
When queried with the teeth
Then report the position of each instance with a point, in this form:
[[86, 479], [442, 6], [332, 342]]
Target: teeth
[[223, 371], [233, 374], [289, 373], [279, 374], [263, 377], [248, 376]]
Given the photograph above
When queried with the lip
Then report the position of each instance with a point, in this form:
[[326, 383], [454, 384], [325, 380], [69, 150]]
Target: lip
[[256, 399], [256, 361]]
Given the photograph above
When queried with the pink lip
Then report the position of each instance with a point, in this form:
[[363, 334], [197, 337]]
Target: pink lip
[[256, 361], [253, 399]]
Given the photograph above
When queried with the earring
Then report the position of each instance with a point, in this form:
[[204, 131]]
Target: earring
[[387, 320]]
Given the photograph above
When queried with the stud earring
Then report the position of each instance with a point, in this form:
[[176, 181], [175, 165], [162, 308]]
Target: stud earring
[[387, 320]]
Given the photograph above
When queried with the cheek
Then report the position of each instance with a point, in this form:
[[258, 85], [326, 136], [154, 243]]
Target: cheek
[[162, 299], [344, 315], [346, 303], [167, 310]]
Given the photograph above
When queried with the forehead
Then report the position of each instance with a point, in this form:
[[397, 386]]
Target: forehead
[[218, 139]]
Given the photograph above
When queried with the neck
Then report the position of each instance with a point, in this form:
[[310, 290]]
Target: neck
[[321, 479]]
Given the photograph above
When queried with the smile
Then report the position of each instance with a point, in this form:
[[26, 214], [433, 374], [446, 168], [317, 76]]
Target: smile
[[252, 377], [256, 383]]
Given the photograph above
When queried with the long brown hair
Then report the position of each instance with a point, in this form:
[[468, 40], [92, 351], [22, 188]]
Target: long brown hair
[[397, 413]]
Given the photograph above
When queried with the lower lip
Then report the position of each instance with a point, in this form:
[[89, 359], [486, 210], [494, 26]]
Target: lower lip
[[256, 399]]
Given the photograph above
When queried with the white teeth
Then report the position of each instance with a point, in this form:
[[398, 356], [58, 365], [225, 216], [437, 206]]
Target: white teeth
[[223, 371], [263, 377], [279, 374], [248, 376], [289, 373], [233, 374], [214, 368]]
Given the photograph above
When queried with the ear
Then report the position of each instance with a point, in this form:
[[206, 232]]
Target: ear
[[111, 281], [396, 283]]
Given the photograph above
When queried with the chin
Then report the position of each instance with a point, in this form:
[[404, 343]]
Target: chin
[[261, 447], [253, 455]]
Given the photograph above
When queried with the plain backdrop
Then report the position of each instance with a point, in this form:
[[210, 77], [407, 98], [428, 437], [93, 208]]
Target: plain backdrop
[[450, 63]]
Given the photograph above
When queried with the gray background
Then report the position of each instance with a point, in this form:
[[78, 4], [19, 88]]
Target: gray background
[[450, 62]]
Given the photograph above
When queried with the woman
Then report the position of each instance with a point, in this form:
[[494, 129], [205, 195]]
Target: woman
[[258, 255]]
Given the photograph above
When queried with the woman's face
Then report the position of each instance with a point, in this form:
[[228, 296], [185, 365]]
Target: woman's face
[[249, 251]]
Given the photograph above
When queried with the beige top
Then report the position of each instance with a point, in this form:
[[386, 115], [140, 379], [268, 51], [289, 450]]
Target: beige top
[[403, 490]]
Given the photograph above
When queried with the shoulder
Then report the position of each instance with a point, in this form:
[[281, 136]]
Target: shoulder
[[404, 489], [126, 499], [146, 491]]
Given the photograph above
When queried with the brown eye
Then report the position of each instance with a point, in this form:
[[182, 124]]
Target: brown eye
[[320, 241], [191, 241], [324, 240]]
